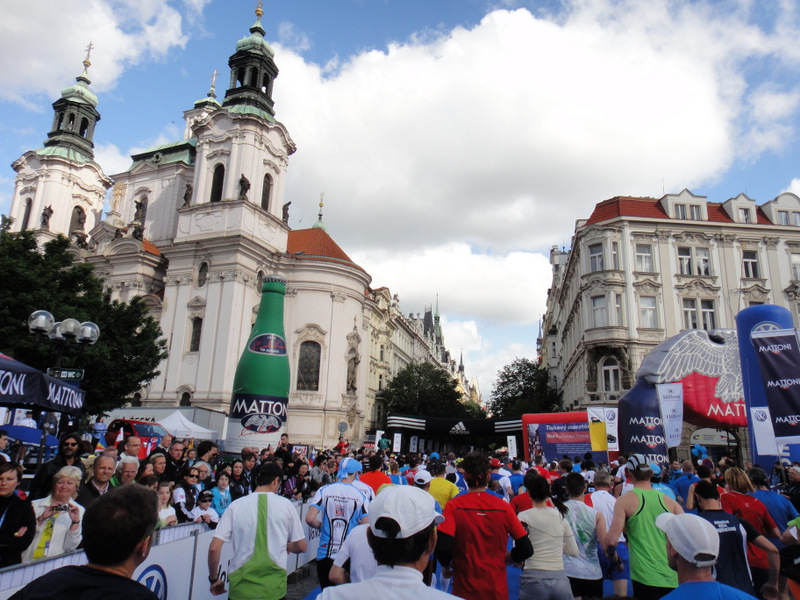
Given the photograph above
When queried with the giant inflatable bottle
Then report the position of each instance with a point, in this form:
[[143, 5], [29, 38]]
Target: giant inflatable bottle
[[257, 414]]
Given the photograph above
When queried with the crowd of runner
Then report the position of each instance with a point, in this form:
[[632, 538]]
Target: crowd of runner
[[572, 525]]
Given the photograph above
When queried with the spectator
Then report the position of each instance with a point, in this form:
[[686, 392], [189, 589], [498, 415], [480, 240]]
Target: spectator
[[284, 450], [166, 512], [68, 456], [99, 483], [203, 512], [131, 446], [145, 468], [298, 485], [402, 535], [239, 485], [126, 471], [550, 538], [184, 496], [208, 452], [150, 481], [3, 445], [245, 525], [692, 546], [248, 464], [221, 495], [175, 463], [117, 535], [18, 525], [204, 478], [319, 472], [58, 517]]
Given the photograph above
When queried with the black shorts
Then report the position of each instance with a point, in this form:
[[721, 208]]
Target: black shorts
[[642, 591], [586, 588]]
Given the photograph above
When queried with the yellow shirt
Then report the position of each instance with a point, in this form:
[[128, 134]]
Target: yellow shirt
[[443, 490]]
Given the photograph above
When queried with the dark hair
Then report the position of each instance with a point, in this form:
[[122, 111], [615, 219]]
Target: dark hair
[[437, 468], [515, 465], [116, 522], [392, 550], [375, 463], [186, 469], [565, 465], [12, 466], [205, 447], [476, 469], [3, 432], [267, 474], [67, 435], [148, 480], [706, 490], [758, 476], [703, 472], [539, 490], [248, 455], [575, 484]]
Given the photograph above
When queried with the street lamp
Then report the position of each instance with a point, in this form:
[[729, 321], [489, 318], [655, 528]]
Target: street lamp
[[66, 333]]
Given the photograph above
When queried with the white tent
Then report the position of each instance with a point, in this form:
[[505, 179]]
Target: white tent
[[181, 427]]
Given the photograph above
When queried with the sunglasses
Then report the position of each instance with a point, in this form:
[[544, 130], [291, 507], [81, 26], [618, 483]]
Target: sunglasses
[[193, 475], [70, 445]]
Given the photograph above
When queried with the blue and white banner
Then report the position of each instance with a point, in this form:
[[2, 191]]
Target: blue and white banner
[[779, 362], [670, 401]]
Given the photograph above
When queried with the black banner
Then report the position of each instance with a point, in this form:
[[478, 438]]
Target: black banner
[[454, 427], [21, 384], [779, 362]]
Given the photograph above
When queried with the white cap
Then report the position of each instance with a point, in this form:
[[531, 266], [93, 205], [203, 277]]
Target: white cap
[[422, 477], [694, 538], [412, 508]]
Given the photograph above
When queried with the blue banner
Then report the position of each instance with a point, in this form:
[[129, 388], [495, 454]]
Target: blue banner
[[779, 362], [640, 427]]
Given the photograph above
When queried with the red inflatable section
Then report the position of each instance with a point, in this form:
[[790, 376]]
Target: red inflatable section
[[701, 408]]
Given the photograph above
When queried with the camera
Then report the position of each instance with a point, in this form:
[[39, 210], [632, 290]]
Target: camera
[[61, 508]]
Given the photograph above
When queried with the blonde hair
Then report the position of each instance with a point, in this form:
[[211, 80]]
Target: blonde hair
[[73, 473], [737, 480]]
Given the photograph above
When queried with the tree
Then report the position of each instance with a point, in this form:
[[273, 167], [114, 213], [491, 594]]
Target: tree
[[130, 346], [424, 389], [521, 387]]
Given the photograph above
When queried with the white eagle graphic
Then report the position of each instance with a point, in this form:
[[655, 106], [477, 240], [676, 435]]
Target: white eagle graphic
[[714, 354]]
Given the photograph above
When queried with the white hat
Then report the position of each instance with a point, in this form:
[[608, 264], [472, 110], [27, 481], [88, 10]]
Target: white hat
[[412, 508], [694, 538], [638, 461], [422, 477]]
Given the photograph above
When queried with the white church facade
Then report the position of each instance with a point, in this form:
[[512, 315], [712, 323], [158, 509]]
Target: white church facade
[[194, 226]]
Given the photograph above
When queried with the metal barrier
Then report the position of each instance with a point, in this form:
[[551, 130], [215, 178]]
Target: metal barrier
[[177, 562]]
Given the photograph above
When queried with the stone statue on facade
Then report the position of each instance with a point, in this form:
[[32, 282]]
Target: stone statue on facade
[[286, 213], [46, 214], [187, 195], [244, 187]]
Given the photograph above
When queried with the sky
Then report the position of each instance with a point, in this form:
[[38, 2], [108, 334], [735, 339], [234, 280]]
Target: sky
[[456, 141]]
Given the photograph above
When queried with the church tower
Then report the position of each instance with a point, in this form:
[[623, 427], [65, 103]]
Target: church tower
[[60, 188]]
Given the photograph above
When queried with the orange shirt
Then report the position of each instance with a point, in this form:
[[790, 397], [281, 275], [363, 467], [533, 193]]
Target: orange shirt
[[375, 479]]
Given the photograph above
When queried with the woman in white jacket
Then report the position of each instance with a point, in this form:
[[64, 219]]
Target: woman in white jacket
[[58, 518]]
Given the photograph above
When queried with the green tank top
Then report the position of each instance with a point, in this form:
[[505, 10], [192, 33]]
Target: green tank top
[[647, 544]]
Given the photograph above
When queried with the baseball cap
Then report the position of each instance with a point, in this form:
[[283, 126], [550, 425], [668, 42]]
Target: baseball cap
[[495, 462], [412, 508], [796, 469], [694, 538], [655, 469], [422, 477], [434, 455], [205, 495], [638, 461]]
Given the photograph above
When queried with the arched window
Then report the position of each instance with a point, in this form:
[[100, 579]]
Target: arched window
[[260, 281], [266, 191], [611, 375], [216, 183], [197, 330], [60, 121], [186, 399], [84, 127], [253, 82], [27, 216], [71, 122], [308, 367], [240, 76], [202, 275]]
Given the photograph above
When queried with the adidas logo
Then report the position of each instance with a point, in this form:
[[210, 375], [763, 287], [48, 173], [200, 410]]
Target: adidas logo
[[459, 429]]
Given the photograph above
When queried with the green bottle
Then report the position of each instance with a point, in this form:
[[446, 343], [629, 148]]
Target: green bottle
[[257, 414]]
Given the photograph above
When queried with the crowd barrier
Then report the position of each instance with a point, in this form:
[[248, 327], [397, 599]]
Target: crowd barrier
[[176, 567]]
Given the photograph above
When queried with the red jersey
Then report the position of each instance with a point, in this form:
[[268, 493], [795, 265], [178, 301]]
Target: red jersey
[[755, 512], [480, 524], [374, 479]]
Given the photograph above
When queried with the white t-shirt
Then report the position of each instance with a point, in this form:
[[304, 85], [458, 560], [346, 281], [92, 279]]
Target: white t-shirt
[[395, 583], [583, 521], [603, 501], [238, 525], [199, 512], [362, 561]]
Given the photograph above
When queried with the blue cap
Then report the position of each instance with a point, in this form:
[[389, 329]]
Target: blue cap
[[434, 455], [350, 466], [656, 469]]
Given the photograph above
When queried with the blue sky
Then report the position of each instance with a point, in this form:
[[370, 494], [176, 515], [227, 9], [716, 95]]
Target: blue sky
[[456, 141]]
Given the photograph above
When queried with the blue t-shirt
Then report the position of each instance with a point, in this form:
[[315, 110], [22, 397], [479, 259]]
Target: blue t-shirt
[[516, 480], [682, 484], [706, 590], [780, 507]]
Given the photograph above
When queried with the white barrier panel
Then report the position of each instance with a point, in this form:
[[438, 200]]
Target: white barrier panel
[[200, 585], [168, 568]]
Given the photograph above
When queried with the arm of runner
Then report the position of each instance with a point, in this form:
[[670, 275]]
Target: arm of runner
[[215, 581], [444, 548], [617, 524], [311, 517], [522, 550], [689, 501]]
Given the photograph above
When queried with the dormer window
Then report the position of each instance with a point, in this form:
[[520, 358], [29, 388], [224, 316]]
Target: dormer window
[[744, 215], [796, 219], [680, 211], [694, 212], [783, 217]]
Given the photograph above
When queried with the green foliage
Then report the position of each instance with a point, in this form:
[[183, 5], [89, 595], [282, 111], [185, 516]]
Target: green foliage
[[427, 390], [130, 346], [521, 387]]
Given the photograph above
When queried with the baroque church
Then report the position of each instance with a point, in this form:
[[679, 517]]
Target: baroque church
[[194, 226]]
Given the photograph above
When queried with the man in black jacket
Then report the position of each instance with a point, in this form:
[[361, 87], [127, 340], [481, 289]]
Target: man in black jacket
[[68, 456]]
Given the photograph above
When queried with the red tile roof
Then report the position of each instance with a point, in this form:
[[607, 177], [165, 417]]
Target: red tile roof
[[650, 208], [150, 248], [316, 244]]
